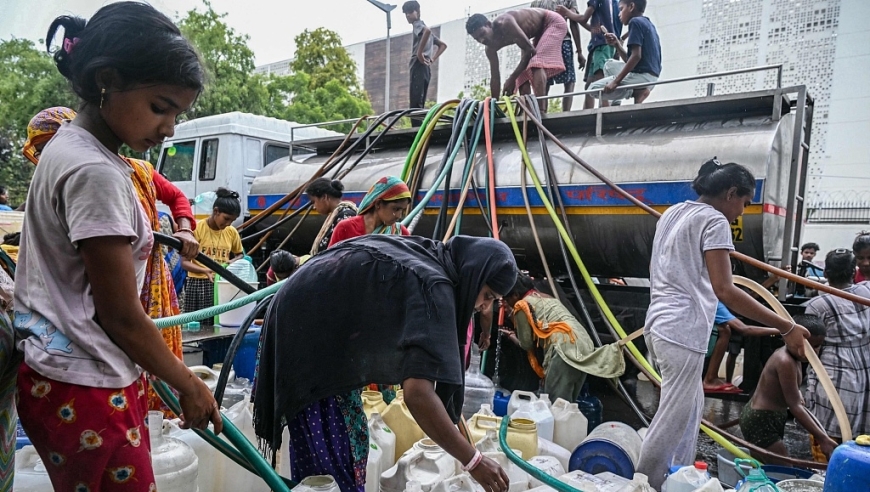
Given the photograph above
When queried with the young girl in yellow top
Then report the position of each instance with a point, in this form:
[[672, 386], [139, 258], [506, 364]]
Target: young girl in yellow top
[[218, 240]]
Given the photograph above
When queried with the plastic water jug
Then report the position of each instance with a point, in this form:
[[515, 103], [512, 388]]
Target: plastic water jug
[[849, 466], [549, 448], [500, 403], [227, 292], [479, 389], [757, 481], [458, 483], [373, 401], [381, 435], [479, 425], [522, 435], [540, 413], [591, 407], [688, 478], [206, 375], [174, 461], [398, 418], [612, 447], [426, 467], [21, 438], [570, 424], [30, 473], [316, 483], [373, 468], [546, 464], [602, 482], [246, 357], [206, 454], [234, 477], [489, 443], [486, 409], [519, 480], [546, 399], [519, 397], [413, 486]]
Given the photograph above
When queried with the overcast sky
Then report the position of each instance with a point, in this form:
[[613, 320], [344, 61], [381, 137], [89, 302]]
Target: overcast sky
[[271, 24]]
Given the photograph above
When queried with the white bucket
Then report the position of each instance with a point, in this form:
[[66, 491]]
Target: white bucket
[[316, 483], [227, 292]]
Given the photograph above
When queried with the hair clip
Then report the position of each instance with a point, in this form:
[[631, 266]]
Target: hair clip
[[69, 44]]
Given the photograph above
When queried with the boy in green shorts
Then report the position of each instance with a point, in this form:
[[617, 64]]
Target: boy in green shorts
[[598, 19]]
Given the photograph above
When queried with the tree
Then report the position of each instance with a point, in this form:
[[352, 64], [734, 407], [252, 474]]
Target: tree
[[333, 101], [29, 83], [231, 85], [319, 54]]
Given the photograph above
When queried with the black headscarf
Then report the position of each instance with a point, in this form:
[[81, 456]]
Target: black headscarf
[[374, 309]]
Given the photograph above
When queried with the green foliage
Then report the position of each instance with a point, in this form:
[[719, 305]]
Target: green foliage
[[554, 105], [333, 101], [232, 86], [29, 83], [478, 92], [319, 54]]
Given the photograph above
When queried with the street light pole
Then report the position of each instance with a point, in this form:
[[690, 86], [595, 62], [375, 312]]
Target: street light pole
[[386, 8]]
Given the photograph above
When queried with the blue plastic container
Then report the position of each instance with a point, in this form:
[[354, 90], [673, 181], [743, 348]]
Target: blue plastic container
[[849, 467], [21, 438], [612, 447], [500, 403], [246, 356], [591, 408]]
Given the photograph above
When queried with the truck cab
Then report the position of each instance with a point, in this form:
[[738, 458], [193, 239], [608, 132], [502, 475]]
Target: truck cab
[[227, 150]]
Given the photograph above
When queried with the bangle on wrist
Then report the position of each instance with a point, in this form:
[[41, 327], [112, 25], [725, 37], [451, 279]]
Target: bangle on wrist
[[473, 462], [184, 229], [793, 324]]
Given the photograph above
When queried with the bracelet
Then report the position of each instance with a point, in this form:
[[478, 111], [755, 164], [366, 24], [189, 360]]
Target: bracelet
[[475, 460], [793, 324], [184, 229]]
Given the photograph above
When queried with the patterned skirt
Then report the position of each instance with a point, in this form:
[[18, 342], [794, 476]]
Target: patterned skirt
[[330, 437], [9, 362]]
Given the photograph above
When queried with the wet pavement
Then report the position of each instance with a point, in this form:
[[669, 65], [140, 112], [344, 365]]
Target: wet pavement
[[717, 411]]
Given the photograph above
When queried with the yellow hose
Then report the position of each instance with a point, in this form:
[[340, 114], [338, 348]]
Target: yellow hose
[[430, 128], [821, 373], [593, 289]]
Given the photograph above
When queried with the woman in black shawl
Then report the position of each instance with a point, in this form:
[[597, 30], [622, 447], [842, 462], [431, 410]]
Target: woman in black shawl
[[377, 309]]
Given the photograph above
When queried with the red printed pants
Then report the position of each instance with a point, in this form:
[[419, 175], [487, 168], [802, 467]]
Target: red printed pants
[[90, 439]]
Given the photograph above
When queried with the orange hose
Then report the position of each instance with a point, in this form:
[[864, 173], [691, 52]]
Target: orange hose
[[493, 216]]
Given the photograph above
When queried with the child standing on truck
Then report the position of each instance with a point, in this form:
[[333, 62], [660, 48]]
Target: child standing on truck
[[600, 16], [690, 270], [422, 57], [218, 240], [763, 419], [643, 60]]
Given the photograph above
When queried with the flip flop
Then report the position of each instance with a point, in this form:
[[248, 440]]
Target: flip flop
[[726, 388]]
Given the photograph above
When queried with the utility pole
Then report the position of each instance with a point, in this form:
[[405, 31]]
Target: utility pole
[[386, 8]]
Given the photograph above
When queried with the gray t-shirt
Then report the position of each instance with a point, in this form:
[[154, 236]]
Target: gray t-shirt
[[80, 190], [682, 302], [417, 28]]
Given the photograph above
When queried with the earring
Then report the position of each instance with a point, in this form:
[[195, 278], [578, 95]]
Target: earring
[[102, 96]]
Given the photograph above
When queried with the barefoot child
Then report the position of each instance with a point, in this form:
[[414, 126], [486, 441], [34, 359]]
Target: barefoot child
[[541, 59], [642, 63], [690, 269], [84, 249], [729, 327], [423, 55], [763, 419]]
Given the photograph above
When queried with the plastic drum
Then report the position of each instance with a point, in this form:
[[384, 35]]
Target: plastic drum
[[612, 447]]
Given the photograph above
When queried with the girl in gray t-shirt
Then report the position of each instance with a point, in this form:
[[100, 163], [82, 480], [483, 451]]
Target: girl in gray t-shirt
[[689, 272]]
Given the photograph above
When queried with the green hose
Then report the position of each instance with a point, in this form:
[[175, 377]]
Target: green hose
[[417, 140], [525, 466], [593, 289], [185, 318], [246, 455]]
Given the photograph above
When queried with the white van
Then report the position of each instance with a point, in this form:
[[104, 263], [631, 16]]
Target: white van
[[227, 151]]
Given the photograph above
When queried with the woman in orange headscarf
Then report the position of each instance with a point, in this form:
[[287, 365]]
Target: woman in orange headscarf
[[158, 294]]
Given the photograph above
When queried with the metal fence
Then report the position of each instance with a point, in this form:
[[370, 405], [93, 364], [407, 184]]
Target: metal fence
[[841, 207]]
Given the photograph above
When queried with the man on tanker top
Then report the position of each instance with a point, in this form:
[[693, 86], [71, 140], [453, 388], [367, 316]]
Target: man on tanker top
[[541, 58]]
